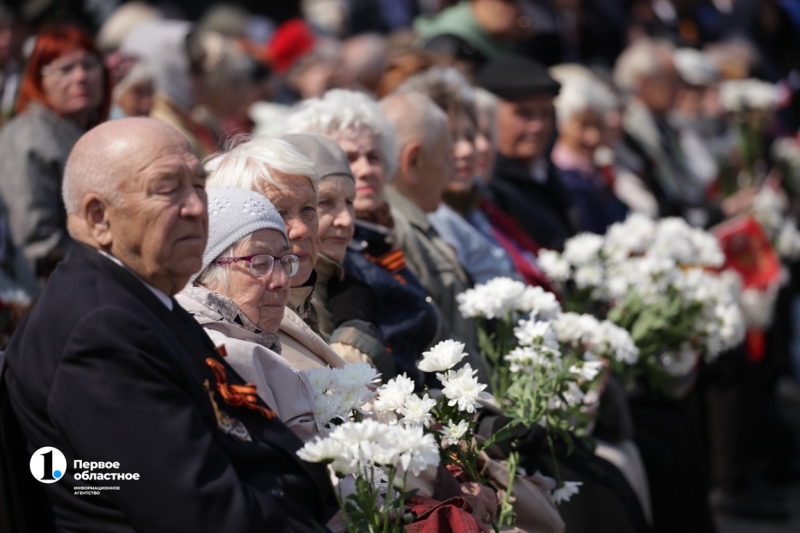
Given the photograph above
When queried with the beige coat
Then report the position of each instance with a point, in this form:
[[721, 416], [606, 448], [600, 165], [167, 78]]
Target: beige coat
[[436, 265]]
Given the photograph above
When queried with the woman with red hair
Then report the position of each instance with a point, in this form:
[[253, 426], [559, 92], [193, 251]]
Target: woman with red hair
[[65, 90]]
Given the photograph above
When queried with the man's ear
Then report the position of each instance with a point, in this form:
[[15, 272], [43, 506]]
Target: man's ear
[[95, 211], [409, 162]]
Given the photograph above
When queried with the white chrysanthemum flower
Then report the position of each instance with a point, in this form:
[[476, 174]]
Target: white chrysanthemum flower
[[539, 303], [418, 450], [321, 450], [453, 433], [462, 388], [528, 358], [321, 379], [567, 491], [583, 249], [536, 333], [589, 276], [613, 342], [554, 265], [393, 394], [588, 370], [631, 237], [443, 356], [355, 375], [417, 411]]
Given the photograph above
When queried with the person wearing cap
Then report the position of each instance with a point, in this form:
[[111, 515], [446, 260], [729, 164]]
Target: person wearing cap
[[348, 310], [240, 294], [525, 184]]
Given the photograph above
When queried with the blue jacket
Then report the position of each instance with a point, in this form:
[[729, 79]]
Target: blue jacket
[[410, 322]]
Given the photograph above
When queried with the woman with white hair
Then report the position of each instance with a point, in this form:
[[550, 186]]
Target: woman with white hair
[[581, 109], [410, 322]]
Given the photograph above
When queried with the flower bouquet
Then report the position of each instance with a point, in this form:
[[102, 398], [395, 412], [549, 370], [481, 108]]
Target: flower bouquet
[[658, 281], [380, 457], [545, 365]]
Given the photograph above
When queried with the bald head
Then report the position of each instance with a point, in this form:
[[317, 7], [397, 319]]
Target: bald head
[[133, 188], [104, 159], [415, 117], [423, 134]]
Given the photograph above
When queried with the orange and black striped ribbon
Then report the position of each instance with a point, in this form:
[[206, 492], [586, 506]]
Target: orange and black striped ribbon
[[393, 261], [237, 395]]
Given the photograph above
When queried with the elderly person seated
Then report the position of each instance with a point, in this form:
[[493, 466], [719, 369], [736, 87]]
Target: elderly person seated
[[410, 322], [289, 180], [423, 173], [348, 310], [479, 254], [581, 107], [239, 298], [107, 367]]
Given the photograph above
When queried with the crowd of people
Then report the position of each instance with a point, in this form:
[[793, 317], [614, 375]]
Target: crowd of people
[[201, 210]]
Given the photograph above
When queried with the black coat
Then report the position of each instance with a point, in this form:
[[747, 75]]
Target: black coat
[[103, 371], [543, 210]]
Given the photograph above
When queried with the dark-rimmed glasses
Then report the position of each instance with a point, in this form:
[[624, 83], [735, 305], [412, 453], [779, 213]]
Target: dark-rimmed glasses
[[261, 265]]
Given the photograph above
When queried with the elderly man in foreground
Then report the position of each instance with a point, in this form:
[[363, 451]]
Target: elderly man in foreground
[[108, 369]]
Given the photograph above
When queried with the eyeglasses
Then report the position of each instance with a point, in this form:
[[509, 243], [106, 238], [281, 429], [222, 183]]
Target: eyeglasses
[[90, 65], [261, 265]]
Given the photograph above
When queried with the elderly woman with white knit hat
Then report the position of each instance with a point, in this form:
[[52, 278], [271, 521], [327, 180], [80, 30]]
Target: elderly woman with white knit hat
[[240, 295]]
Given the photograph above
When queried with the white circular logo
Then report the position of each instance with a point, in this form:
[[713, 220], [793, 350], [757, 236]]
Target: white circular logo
[[48, 464]]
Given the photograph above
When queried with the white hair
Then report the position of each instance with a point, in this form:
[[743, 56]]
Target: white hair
[[341, 113], [250, 165], [640, 60], [580, 94]]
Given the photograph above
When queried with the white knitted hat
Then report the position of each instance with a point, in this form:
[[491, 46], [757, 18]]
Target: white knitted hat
[[233, 214]]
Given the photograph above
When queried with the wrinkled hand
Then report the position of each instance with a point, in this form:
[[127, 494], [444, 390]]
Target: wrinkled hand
[[483, 501]]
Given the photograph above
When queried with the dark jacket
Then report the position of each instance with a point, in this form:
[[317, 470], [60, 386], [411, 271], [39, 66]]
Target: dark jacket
[[103, 371], [409, 322], [543, 210]]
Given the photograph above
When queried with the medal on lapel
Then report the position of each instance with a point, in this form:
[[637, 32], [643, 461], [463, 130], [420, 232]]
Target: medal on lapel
[[227, 424]]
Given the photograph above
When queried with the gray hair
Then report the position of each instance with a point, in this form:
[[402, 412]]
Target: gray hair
[[216, 277], [640, 60], [341, 113], [415, 117], [486, 105], [250, 165], [447, 87], [580, 94]]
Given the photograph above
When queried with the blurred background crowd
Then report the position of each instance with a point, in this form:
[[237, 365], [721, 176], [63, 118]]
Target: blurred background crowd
[[563, 116]]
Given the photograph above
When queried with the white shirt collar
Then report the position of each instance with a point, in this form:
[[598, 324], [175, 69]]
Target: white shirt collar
[[162, 297]]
